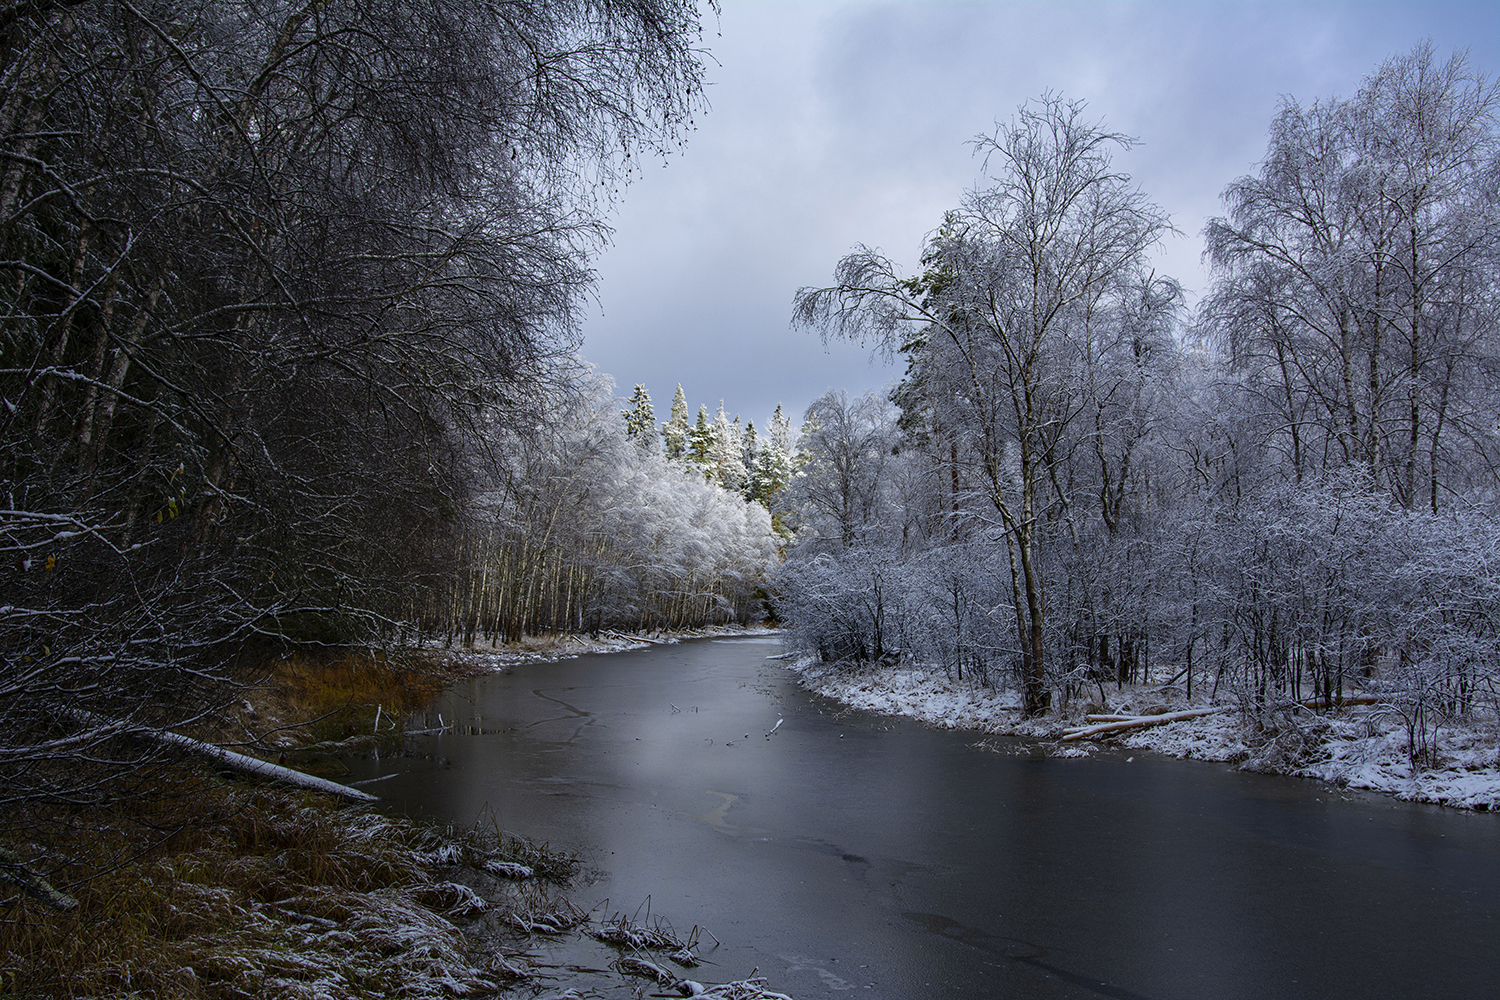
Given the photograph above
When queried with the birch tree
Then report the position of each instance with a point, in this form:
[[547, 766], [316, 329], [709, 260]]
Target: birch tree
[[1011, 277], [1356, 279], [839, 491]]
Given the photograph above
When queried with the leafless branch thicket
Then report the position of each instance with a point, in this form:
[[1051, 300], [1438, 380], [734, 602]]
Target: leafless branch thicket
[[269, 271], [1290, 495]]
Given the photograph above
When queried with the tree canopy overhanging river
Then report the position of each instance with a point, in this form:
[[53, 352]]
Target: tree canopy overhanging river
[[857, 854]]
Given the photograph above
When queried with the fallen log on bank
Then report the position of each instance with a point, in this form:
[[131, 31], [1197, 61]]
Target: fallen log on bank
[[1348, 699], [234, 761], [259, 768], [612, 633], [1139, 721], [1104, 723], [19, 873]]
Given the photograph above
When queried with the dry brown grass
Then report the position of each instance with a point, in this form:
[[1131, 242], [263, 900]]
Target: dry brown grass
[[194, 886], [323, 695], [245, 891], [315, 684]]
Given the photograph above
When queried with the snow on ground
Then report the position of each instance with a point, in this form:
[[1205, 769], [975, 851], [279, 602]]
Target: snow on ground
[[1362, 750], [1208, 737], [549, 649], [918, 693], [1466, 777]]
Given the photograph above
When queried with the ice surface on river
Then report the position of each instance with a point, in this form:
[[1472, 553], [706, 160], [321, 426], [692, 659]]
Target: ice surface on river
[[1357, 752]]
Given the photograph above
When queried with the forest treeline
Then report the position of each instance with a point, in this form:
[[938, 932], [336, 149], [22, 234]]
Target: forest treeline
[[1286, 494], [287, 353], [595, 522]]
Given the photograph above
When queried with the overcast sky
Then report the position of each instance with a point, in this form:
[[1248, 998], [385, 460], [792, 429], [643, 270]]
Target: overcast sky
[[833, 124]]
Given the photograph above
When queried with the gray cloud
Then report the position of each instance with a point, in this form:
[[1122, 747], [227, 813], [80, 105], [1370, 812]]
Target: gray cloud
[[837, 124]]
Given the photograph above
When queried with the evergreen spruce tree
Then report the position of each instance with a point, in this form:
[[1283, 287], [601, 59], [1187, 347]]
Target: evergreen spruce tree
[[727, 456], [640, 421], [774, 467], [749, 457], [700, 443], [675, 431]]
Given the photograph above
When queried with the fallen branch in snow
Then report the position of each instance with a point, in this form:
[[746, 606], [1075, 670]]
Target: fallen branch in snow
[[1352, 699], [259, 768], [237, 761], [18, 872], [1136, 722], [633, 638], [1106, 723]]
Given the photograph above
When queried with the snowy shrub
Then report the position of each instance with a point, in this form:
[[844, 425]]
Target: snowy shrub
[[851, 608]]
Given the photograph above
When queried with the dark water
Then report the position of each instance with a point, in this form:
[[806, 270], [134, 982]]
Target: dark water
[[858, 855]]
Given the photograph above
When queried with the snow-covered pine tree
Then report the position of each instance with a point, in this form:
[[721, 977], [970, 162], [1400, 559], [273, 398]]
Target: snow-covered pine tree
[[700, 443], [773, 471], [749, 456], [727, 456], [675, 431], [640, 420]]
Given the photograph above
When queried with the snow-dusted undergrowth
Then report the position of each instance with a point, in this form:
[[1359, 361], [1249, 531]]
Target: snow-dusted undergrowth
[[483, 658], [918, 693], [1362, 750]]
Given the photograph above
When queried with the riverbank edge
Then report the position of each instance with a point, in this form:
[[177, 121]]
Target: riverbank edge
[[1361, 748], [480, 659], [409, 908]]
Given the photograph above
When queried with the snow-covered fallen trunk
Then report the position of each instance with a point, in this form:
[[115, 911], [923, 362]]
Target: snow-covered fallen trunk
[[257, 767], [235, 761], [1348, 699], [632, 638], [17, 872], [1084, 732]]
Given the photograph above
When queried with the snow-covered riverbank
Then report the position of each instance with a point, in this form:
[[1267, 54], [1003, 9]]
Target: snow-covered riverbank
[[482, 657], [1365, 749]]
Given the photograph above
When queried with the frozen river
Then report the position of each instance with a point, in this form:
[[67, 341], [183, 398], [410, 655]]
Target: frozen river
[[851, 854]]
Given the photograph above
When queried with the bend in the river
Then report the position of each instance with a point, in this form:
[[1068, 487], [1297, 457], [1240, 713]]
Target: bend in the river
[[852, 854]]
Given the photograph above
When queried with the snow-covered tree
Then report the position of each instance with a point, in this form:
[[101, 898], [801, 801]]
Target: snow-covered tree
[[587, 530], [1292, 499], [726, 457], [999, 341], [839, 492], [774, 467], [640, 421], [750, 457], [675, 431], [1356, 281], [700, 443]]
